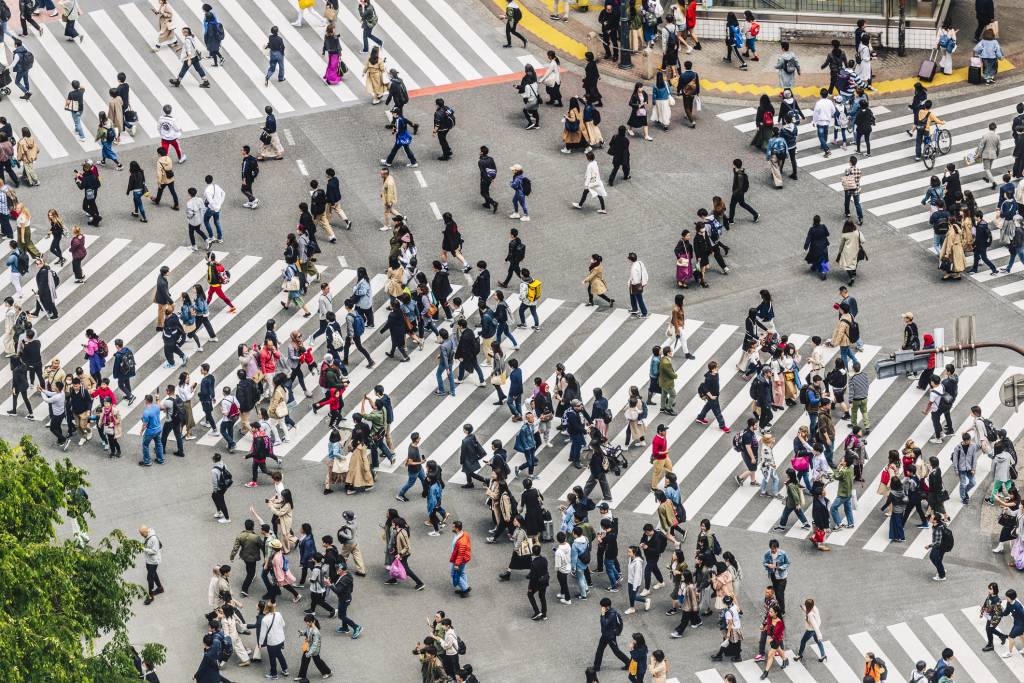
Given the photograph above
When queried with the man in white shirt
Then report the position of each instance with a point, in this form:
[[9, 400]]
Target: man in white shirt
[[213, 199], [637, 283], [824, 111], [170, 133], [194, 216]]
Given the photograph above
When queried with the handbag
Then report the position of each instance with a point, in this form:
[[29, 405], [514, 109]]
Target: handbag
[[697, 104], [342, 68], [291, 285], [306, 4], [265, 137], [682, 262], [73, 106], [641, 110], [945, 265]]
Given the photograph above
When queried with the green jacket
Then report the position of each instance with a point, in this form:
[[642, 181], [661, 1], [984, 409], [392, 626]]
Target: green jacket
[[666, 374], [249, 545], [793, 496], [844, 475]]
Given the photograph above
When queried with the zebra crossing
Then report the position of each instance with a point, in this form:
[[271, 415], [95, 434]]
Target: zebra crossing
[[604, 348], [431, 44], [893, 183], [900, 646]]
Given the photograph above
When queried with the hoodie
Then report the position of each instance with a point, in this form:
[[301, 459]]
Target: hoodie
[[929, 343], [151, 548]]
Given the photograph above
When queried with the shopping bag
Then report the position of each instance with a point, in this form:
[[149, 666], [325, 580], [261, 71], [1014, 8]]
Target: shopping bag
[[396, 570]]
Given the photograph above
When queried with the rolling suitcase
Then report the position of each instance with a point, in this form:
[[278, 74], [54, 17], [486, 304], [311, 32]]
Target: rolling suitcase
[[548, 534], [974, 75], [928, 68]]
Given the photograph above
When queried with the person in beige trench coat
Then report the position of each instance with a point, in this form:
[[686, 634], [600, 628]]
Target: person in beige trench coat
[[115, 114], [953, 251], [359, 474], [166, 35], [850, 242], [595, 282], [373, 71]]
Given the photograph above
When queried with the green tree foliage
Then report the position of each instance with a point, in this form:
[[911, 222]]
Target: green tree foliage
[[64, 604]]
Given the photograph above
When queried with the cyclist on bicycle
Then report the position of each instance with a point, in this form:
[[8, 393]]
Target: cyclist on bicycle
[[925, 121]]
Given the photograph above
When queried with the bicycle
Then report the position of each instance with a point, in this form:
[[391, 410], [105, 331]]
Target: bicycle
[[943, 142]]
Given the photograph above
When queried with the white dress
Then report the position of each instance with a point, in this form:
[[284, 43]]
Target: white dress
[[592, 180], [864, 67]]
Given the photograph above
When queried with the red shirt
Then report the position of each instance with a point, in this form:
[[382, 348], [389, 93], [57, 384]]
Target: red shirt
[[659, 447], [691, 14], [104, 393]]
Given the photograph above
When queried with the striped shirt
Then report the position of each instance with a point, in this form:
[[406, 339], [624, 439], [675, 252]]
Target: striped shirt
[[859, 386]]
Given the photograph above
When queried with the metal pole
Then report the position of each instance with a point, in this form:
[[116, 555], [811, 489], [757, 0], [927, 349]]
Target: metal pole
[[976, 345], [901, 31], [625, 61]]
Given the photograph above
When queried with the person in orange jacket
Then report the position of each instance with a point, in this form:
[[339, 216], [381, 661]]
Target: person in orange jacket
[[461, 555]]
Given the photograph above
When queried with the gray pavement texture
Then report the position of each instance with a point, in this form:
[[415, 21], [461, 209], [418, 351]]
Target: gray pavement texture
[[858, 589]]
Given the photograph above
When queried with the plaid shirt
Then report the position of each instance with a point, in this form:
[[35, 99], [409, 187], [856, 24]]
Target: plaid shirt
[[4, 208], [852, 172]]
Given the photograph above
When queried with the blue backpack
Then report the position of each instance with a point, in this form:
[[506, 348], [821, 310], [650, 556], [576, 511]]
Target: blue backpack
[[358, 324], [1008, 209], [947, 43], [737, 36]]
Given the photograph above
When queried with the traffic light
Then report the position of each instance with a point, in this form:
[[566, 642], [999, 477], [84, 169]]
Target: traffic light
[[900, 363]]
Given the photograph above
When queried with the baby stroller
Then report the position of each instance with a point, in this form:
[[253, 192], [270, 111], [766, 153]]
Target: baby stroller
[[5, 81], [616, 459]]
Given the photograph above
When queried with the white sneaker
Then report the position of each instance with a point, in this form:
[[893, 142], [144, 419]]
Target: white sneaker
[[514, 215], [223, 520], [183, 159], [938, 578], [81, 441], [1007, 654], [525, 219], [657, 586], [576, 206], [998, 548], [630, 611], [647, 605], [245, 205], [433, 533], [383, 228], [644, 593]]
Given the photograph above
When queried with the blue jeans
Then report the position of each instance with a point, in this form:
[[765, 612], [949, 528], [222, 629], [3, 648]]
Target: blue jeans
[[21, 80], [1019, 255], [575, 449], [215, 215], [581, 581], [531, 460], [823, 137], [966, 484], [107, 152], [444, 370], [368, 35], [227, 430], [611, 568], [459, 579], [921, 134], [408, 152], [154, 438], [137, 203], [519, 204], [413, 476], [503, 330], [276, 61], [846, 355], [855, 196], [786, 512], [896, 527], [808, 635], [847, 505], [523, 307], [515, 404], [937, 241], [636, 302], [988, 68], [76, 116]]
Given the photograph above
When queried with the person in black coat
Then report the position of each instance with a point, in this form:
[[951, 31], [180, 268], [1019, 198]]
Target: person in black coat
[[470, 453], [618, 147], [89, 183], [531, 504], [173, 337], [213, 30], [395, 324], [46, 290], [19, 385], [982, 241], [816, 246], [208, 671], [590, 79], [985, 11], [441, 288], [482, 284], [538, 584], [466, 350]]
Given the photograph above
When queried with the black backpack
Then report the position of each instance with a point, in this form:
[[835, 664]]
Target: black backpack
[[618, 624], [527, 186], [226, 480], [178, 412], [854, 331], [805, 399], [520, 249], [128, 363], [946, 544], [450, 114], [226, 649], [5, 11], [23, 262], [28, 60], [462, 645], [990, 430]]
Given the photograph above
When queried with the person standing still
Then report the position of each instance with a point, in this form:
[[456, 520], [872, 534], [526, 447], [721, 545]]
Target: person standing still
[[638, 279], [170, 133], [776, 563]]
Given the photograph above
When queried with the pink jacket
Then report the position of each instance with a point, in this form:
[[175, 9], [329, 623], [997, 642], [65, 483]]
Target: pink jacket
[[284, 578]]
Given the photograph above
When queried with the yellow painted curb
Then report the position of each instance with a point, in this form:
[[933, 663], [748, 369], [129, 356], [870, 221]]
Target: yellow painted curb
[[895, 85], [545, 32]]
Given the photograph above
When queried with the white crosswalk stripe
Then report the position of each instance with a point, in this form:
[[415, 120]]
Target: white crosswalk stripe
[[898, 648], [894, 183], [430, 44], [609, 350]]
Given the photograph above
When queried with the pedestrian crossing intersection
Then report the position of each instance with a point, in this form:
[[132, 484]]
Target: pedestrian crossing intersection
[[431, 44], [900, 646], [893, 183], [604, 348]]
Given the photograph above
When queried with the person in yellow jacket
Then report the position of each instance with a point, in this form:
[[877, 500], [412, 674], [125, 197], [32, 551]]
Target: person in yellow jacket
[[388, 197]]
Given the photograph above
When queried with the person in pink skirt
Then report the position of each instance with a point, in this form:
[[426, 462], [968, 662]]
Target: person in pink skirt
[[332, 48]]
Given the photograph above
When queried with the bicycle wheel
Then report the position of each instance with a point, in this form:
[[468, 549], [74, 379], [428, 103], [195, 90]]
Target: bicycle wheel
[[945, 141], [928, 156]]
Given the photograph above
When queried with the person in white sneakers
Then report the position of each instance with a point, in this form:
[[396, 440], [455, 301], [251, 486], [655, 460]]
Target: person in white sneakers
[[213, 200], [635, 578], [562, 567], [170, 133]]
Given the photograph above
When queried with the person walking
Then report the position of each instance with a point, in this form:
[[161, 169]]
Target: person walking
[[152, 552], [46, 290], [444, 121], [611, 628], [488, 172], [250, 170], [190, 58], [521, 187], [403, 140], [373, 76], [851, 189], [22, 63], [388, 197], [740, 187], [275, 56], [221, 480], [638, 279], [512, 16], [164, 178], [88, 182], [592, 184], [776, 563], [367, 22]]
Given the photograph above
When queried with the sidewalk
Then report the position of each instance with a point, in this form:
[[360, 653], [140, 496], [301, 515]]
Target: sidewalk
[[892, 74]]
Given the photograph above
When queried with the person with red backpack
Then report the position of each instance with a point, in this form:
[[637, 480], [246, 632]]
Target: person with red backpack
[[261, 449], [216, 277]]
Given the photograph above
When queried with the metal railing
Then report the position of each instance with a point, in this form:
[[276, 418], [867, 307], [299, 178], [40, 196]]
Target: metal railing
[[851, 7]]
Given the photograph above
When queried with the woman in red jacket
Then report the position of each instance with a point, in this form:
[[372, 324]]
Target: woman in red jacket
[[776, 630]]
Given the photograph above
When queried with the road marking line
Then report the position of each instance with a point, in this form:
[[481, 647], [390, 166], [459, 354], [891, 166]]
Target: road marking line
[[437, 211], [302, 167], [288, 136]]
